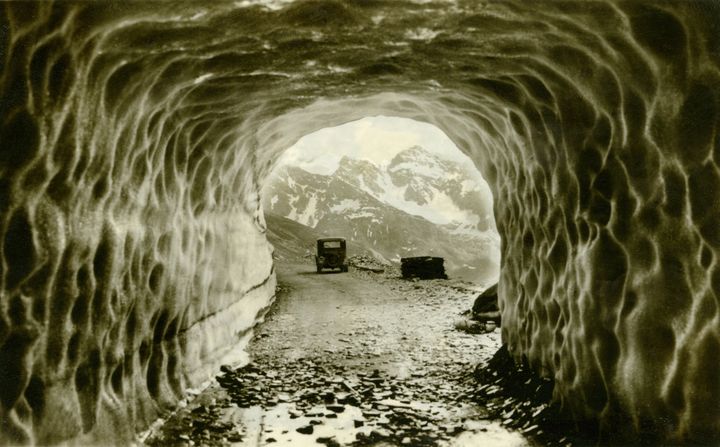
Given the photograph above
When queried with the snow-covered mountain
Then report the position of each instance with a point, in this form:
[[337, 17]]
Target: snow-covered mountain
[[417, 204]]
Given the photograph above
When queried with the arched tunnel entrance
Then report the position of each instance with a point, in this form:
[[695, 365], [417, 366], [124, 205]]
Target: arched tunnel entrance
[[394, 188], [135, 138]]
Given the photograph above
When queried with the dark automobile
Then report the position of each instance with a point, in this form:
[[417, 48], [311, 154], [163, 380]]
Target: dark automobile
[[331, 254]]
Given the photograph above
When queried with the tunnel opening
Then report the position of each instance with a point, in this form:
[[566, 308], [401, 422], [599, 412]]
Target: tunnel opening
[[394, 188], [136, 136], [338, 172]]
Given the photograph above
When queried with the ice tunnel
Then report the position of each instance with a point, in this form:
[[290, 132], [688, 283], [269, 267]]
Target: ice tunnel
[[135, 137]]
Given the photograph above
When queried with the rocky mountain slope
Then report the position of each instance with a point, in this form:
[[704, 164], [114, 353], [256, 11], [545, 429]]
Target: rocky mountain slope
[[417, 204], [295, 242]]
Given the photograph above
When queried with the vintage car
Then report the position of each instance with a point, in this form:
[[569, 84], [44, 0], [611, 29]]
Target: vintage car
[[331, 254]]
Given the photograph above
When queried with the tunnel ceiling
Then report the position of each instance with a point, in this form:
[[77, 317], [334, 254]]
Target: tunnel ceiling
[[135, 137]]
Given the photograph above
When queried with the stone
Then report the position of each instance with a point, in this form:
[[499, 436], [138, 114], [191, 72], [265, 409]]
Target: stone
[[470, 326], [236, 437], [305, 429], [423, 267], [371, 413], [327, 440], [335, 408], [380, 433], [485, 307]]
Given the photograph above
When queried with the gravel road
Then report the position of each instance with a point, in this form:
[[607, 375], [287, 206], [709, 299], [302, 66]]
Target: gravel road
[[354, 358]]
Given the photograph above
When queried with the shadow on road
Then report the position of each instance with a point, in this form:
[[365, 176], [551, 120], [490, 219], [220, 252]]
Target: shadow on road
[[313, 272]]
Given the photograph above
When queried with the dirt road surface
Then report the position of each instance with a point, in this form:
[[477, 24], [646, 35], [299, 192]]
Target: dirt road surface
[[354, 358]]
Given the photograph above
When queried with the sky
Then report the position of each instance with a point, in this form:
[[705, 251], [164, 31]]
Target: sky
[[377, 139]]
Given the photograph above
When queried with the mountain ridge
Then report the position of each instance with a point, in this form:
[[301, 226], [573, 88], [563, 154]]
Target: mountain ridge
[[416, 205]]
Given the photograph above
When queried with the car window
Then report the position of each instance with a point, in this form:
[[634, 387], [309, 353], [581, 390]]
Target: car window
[[331, 244]]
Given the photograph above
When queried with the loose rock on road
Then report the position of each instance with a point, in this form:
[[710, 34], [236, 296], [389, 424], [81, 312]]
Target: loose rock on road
[[355, 358]]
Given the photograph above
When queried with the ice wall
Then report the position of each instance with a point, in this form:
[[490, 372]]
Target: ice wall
[[134, 137], [133, 253]]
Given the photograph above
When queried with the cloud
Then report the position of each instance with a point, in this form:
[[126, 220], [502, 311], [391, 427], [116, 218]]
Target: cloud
[[380, 145], [377, 139]]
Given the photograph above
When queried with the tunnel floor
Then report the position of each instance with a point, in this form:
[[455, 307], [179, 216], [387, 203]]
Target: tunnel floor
[[354, 358]]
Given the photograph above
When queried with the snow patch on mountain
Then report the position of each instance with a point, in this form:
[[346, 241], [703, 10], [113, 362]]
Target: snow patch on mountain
[[427, 170], [416, 182], [308, 215], [441, 209], [468, 186], [344, 205]]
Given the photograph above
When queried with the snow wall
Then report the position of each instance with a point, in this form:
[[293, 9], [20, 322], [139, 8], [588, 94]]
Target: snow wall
[[134, 138]]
